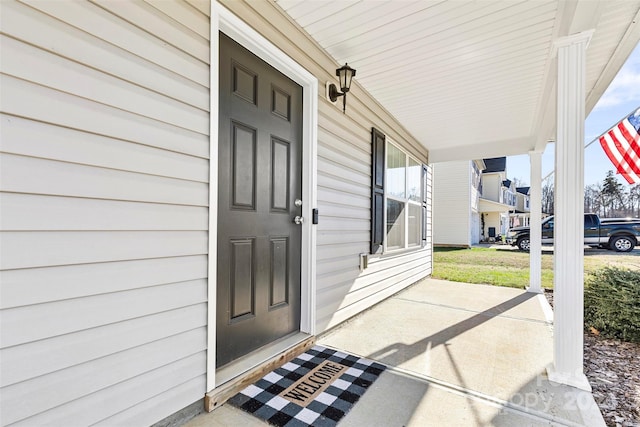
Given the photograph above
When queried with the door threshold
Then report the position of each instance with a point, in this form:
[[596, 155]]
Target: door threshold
[[237, 375]]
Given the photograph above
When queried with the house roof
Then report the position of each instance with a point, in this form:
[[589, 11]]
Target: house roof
[[496, 164], [523, 190], [506, 183], [486, 205], [469, 80]]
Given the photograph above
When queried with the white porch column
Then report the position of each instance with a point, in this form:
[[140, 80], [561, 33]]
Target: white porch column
[[535, 219], [569, 213]]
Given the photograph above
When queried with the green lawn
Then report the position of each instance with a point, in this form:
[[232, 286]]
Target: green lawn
[[506, 267]]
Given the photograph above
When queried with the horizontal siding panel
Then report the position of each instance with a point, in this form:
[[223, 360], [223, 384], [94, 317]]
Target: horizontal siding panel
[[333, 195], [121, 397], [346, 162], [151, 20], [160, 406], [340, 237], [344, 224], [341, 211], [329, 167], [27, 361], [391, 259], [204, 6], [22, 212], [69, 42], [46, 69], [359, 121], [64, 386], [346, 249], [347, 295], [353, 141], [348, 262], [20, 98], [30, 323], [39, 285], [37, 139], [340, 298], [104, 209], [334, 122], [379, 271], [100, 23], [343, 287], [346, 155], [344, 185], [185, 14], [37, 176], [44, 249]]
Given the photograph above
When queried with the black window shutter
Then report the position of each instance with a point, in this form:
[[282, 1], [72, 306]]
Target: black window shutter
[[424, 205], [378, 148]]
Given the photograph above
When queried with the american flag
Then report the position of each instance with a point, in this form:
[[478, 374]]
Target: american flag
[[621, 143]]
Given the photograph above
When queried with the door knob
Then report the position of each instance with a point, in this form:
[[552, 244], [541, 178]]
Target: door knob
[[298, 220]]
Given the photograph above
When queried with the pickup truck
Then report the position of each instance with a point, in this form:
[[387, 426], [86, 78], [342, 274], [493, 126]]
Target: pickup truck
[[619, 234]]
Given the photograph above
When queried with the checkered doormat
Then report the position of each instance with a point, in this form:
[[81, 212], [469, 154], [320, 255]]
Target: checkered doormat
[[315, 389]]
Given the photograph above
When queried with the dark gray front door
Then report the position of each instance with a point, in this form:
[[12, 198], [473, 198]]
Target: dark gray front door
[[259, 179]]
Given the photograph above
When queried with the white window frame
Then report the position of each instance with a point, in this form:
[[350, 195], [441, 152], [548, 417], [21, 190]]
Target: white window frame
[[404, 200]]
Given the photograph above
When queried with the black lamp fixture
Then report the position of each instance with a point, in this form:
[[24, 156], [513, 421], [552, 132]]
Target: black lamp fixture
[[345, 75]]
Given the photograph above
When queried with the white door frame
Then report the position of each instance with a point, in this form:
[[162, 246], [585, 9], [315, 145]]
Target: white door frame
[[223, 20]]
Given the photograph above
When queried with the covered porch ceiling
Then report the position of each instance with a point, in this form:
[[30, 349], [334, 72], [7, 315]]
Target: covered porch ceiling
[[470, 79]]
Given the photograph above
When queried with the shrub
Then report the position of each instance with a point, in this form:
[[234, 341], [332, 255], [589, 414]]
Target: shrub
[[612, 303]]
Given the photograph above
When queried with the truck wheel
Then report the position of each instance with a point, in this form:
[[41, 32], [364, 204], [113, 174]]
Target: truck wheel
[[523, 243], [622, 244]]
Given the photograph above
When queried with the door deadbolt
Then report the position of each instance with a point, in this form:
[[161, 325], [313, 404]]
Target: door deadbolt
[[298, 202]]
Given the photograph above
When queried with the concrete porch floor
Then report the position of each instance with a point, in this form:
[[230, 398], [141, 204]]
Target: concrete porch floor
[[457, 355]]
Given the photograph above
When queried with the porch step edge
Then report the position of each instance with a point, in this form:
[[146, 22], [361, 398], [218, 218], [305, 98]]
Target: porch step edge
[[218, 396]]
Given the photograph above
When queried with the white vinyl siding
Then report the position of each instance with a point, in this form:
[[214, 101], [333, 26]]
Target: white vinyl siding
[[344, 203], [452, 203], [492, 186], [104, 211]]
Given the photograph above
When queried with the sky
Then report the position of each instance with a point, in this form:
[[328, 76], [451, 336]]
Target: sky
[[620, 99]]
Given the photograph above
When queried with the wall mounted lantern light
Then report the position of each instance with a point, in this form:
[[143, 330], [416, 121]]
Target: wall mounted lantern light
[[345, 74]]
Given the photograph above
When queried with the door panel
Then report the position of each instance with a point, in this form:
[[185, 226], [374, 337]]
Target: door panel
[[259, 177]]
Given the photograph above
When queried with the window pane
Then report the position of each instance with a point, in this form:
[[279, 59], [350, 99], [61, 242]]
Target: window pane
[[396, 166], [395, 224], [415, 220], [413, 180]]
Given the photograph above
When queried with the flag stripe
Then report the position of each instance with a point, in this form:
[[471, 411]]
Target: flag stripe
[[630, 134], [628, 153], [621, 144], [611, 154]]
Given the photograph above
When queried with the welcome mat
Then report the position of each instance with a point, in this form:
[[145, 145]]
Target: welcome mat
[[315, 389]]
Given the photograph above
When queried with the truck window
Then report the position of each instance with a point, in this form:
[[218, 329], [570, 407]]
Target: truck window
[[589, 221]]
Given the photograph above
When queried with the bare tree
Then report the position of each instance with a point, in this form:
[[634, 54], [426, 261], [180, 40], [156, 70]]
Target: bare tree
[[547, 197], [592, 199], [634, 200]]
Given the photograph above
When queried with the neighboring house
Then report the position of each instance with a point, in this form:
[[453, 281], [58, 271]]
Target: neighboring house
[[519, 217], [472, 200], [457, 188], [498, 198]]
